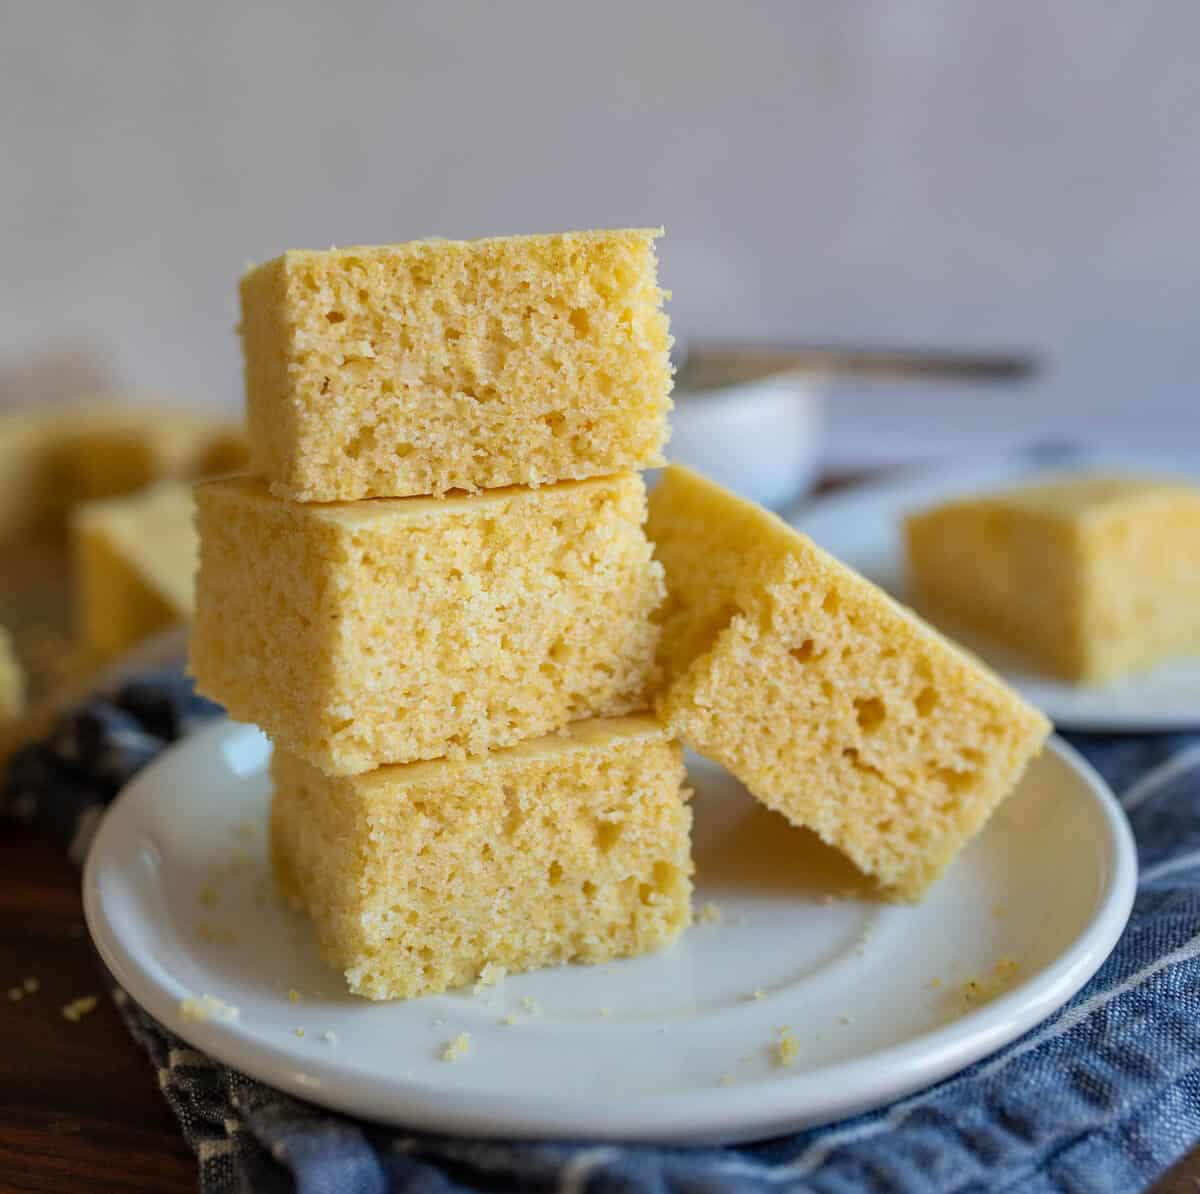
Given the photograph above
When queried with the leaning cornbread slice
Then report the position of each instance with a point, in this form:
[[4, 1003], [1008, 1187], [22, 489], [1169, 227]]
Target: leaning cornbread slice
[[435, 365], [422, 877], [834, 705], [134, 560], [410, 628], [1090, 575]]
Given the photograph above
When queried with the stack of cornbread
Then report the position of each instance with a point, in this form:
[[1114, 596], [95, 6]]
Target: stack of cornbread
[[436, 597]]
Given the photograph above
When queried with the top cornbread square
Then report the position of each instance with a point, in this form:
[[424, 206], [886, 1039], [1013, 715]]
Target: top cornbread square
[[1090, 575], [435, 365], [833, 704]]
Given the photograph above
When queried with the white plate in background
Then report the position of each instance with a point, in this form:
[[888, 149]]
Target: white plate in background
[[673, 1047], [861, 525]]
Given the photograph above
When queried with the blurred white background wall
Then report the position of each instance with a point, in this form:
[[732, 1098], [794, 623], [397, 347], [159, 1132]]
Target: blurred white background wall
[[1011, 174]]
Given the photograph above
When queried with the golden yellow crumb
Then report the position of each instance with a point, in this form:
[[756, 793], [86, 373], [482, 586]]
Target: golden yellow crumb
[[605, 1013], [758, 993], [298, 1031], [293, 996], [786, 1048], [726, 1079], [207, 1007], [457, 1048], [509, 1020], [710, 914], [209, 896], [489, 976], [78, 1008]]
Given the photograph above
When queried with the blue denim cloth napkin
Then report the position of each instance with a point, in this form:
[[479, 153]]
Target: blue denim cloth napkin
[[1104, 1096]]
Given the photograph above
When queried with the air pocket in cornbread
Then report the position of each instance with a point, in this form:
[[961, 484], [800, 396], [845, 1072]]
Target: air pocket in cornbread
[[1091, 576], [385, 631], [419, 878], [834, 705], [434, 365]]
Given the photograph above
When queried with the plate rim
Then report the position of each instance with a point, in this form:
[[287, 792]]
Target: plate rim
[[709, 1115], [988, 472]]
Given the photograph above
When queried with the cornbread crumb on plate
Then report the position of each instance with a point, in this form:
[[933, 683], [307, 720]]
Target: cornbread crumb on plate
[[457, 1048], [559, 849], [710, 914], [833, 704], [786, 1048], [78, 1008], [207, 1007], [489, 976], [1091, 575], [418, 368], [403, 629]]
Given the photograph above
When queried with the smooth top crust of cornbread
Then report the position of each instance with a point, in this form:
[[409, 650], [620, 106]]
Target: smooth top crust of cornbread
[[385, 631], [832, 703], [417, 368], [1092, 575]]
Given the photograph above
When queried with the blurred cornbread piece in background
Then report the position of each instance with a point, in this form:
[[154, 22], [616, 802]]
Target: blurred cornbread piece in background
[[434, 365], [12, 679], [419, 878], [53, 457], [834, 705], [374, 632], [1092, 576], [105, 451], [134, 561]]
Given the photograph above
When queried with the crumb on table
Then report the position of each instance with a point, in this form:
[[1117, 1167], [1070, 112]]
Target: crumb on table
[[78, 1008]]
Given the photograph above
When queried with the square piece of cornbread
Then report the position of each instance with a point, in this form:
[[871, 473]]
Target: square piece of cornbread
[[570, 848], [435, 365], [1091, 576], [834, 705], [134, 561], [377, 632]]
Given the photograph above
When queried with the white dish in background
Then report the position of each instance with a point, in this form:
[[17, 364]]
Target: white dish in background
[[673, 1047], [862, 527], [762, 439]]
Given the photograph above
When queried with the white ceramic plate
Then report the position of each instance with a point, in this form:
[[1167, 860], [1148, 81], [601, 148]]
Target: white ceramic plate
[[674, 1047], [861, 526]]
